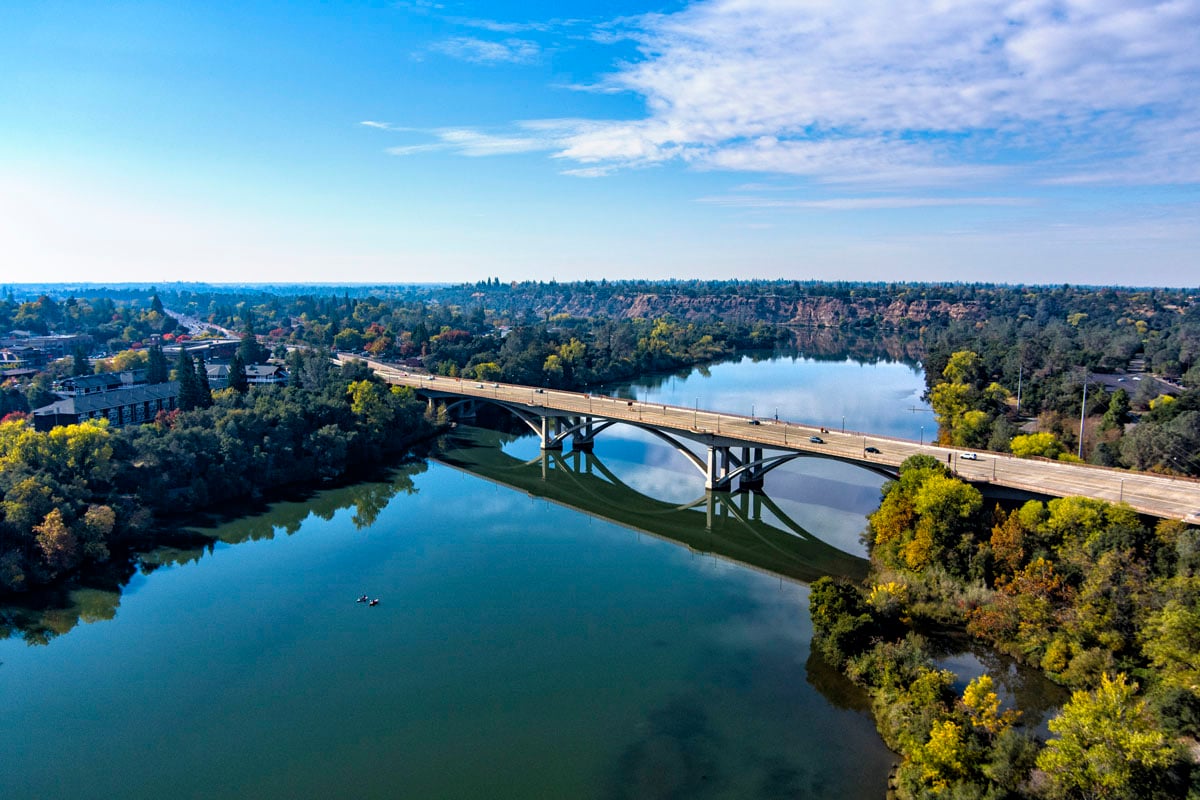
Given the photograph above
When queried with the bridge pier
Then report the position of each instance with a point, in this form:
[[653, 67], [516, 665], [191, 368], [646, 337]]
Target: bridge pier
[[752, 478], [465, 409], [550, 429], [719, 463], [584, 437]]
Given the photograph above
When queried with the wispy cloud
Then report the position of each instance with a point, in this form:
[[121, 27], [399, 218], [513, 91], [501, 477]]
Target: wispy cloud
[[497, 26], [467, 142], [862, 203], [385, 126], [900, 92], [482, 51]]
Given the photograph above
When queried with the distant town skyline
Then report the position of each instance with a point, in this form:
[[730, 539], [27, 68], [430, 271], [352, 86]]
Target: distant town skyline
[[1008, 141]]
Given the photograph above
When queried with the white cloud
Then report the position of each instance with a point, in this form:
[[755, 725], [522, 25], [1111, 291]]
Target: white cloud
[[895, 93], [482, 51]]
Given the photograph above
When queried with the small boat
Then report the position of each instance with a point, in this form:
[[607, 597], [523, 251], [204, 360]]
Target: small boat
[[374, 602], [363, 599]]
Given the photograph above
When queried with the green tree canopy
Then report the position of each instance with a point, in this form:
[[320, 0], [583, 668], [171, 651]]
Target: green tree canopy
[[1029, 445], [1106, 745]]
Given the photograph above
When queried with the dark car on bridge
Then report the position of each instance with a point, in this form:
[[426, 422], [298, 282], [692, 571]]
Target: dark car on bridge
[[871, 450]]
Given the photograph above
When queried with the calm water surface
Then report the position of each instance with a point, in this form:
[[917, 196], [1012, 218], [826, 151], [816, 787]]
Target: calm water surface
[[548, 628]]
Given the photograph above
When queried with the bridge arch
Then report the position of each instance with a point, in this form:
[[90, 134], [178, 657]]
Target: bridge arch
[[721, 469]]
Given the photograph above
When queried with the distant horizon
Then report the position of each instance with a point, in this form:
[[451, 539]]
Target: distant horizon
[[979, 142], [4, 286]]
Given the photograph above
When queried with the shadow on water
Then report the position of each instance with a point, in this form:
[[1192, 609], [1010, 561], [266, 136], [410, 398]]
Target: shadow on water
[[96, 595], [681, 755], [677, 757], [746, 527]]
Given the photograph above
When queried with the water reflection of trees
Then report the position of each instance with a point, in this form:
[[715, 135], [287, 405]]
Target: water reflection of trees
[[838, 344], [816, 344], [96, 596]]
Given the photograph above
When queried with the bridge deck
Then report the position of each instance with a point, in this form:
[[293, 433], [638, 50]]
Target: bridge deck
[[1156, 495]]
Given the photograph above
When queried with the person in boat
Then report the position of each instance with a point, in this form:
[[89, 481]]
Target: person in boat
[[374, 602], [363, 599]]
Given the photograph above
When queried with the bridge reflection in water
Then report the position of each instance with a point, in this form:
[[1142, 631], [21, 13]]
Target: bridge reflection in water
[[748, 528]]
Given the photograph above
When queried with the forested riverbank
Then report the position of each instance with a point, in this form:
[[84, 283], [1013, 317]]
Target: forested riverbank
[[75, 494], [1082, 589]]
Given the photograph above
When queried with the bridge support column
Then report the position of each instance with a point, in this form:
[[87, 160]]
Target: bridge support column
[[549, 433], [717, 469], [584, 438], [753, 478]]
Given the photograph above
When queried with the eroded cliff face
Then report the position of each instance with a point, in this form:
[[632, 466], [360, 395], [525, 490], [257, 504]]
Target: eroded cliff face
[[810, 311]]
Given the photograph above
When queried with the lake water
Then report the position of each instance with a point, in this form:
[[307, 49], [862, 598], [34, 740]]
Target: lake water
[[558, 626]]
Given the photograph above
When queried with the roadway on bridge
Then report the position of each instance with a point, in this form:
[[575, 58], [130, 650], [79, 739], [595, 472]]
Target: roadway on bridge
[[1156, 495]]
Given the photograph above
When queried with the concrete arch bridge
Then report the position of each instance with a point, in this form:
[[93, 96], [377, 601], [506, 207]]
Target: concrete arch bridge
[[739, 451]]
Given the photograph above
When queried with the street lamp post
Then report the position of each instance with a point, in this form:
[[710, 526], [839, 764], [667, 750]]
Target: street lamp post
[[843, 423], [696, 413], [922, 435]]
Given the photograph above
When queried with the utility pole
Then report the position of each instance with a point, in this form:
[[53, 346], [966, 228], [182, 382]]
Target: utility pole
[[1020, 376], [1082, 414]]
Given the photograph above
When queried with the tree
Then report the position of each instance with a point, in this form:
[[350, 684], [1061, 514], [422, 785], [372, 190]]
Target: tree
[[237, 375], [189, 384], [945, 508], [1029, 445], [98, 525], [250, 350], [348, 339], [79, 361], [156, 365], [1106, 745], [205, 393], [487, 371], [1118, 409], [125, 360], [1171, 640], [56, 541]]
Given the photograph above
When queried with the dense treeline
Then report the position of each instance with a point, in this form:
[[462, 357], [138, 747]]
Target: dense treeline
[[1041, 336], [1041, 347], [112, 323], [974, 410], [1078, 587], [73, 495]]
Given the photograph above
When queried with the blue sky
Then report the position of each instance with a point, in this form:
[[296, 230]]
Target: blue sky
[[1040, 141]]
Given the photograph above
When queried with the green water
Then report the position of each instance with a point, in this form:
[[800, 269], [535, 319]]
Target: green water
[[559, 627]]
